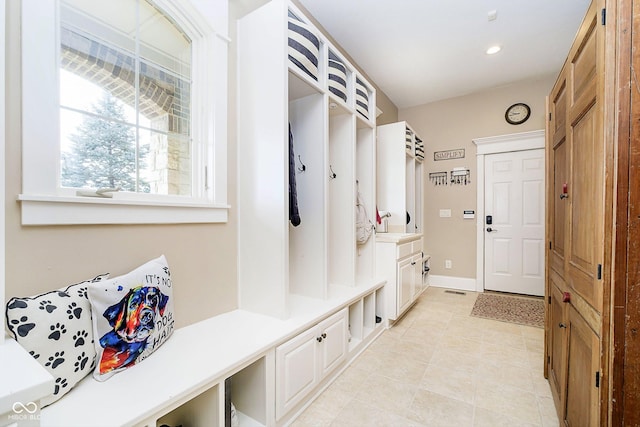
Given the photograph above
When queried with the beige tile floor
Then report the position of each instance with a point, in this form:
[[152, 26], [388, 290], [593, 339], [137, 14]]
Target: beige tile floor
[[438, 366]]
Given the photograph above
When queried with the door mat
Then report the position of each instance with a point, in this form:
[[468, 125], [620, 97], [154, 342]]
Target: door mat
[[527, 311]]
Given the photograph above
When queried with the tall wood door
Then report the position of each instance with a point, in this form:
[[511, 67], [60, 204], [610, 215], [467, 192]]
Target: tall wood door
[[585, 187], [558, 172], [576, 225]]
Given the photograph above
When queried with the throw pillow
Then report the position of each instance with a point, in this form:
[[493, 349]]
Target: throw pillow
[[56, 329], [132, 316]]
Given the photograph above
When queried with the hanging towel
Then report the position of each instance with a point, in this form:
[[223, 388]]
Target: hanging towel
[[294, 215]]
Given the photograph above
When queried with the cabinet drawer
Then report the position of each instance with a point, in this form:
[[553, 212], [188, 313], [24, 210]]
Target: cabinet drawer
[[416, 246], [405, 249]]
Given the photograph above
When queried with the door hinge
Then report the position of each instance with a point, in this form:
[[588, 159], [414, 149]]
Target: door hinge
[[604, 16], [597, 379], [549, 299], [599, 271]]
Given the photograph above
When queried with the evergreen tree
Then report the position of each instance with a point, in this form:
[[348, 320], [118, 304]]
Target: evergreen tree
[[103, 152]]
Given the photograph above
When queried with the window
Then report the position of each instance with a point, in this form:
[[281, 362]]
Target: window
[[124, 113]]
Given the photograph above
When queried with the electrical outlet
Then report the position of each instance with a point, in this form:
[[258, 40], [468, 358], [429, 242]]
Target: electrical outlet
[[447, 263]]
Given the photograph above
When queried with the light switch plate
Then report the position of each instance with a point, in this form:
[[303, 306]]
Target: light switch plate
[[445, 213]]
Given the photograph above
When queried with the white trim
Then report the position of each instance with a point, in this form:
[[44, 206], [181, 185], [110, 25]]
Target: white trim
[[451, 282], [493, 145], [45, 210], [511, 142]]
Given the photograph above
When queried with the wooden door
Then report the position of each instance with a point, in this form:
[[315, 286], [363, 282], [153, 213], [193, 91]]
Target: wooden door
[[576, 223], [586, 172], [583, 376], [558, 172], [558, 343]]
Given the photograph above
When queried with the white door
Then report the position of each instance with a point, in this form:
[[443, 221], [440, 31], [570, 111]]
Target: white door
[[514, 241]]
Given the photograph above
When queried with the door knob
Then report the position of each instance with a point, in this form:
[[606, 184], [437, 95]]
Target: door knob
[[491, 230]]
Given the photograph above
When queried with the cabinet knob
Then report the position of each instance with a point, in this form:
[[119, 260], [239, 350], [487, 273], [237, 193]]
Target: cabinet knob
[[324, 335], [319, 339]]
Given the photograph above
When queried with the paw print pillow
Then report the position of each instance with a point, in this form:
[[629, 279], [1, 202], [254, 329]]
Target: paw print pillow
[[56, 329], [132, 316]]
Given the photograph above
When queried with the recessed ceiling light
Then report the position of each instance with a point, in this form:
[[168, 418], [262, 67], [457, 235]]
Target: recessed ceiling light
[[493, 50]]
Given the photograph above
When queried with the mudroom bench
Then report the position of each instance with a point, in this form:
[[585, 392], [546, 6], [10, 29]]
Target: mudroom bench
[[239, 357]]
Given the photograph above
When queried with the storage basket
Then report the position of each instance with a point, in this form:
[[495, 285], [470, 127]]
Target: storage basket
[[304, 47], [337, 77], [362, 98]]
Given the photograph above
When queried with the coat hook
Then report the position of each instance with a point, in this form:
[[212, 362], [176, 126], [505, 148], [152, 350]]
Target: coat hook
[[332, 175], [303, 167]]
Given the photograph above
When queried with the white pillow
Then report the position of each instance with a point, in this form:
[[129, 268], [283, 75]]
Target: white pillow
[[55, 328], [132, 316]]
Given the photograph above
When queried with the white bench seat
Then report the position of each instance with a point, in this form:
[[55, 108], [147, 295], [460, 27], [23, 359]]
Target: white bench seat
[[194, 359]]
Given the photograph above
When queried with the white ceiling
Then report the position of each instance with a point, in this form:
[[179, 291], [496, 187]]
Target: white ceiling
[[421, 51]]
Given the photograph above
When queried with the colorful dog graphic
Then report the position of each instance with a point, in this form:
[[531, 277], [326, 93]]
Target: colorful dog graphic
[[133, 321]]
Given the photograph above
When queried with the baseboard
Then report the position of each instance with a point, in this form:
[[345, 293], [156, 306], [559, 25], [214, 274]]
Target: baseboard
[[450, 282]]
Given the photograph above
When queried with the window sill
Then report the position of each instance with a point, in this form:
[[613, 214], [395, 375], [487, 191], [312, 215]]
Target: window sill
[[60, 210]]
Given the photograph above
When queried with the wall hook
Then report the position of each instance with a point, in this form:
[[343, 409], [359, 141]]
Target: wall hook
[[303, 167], [332, 175]]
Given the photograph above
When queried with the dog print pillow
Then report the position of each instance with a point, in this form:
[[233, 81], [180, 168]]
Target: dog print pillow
[[132, 317], [55, 328]]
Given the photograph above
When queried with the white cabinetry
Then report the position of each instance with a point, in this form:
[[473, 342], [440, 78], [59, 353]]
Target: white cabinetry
[[334, 154], [400, 179], [400, 262], [304, 361]]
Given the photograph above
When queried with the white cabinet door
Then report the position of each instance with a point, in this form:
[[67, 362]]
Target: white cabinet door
[[296, 370], [416, 263], [333, 347], [406, 284], [304, 361]]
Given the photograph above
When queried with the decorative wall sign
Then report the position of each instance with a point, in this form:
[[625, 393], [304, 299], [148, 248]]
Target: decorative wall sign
[[448, 155], [438, 178]]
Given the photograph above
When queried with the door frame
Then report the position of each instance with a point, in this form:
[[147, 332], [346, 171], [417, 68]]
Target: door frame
[[494, 145]]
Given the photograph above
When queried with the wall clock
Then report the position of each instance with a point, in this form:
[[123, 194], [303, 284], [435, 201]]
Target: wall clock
[[517, 113]]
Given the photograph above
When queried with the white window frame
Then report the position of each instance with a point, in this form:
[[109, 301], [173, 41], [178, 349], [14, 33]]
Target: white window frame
[[45, 203]]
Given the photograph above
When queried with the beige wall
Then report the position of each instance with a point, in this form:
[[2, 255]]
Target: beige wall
[[451, 124], [202, 257]]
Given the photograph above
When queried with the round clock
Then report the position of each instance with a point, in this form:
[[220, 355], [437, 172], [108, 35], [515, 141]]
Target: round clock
[[517, 113]]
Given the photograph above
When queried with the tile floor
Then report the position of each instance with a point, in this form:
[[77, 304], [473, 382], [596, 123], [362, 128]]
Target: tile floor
[[440, 367]]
